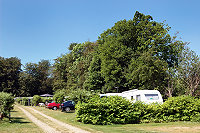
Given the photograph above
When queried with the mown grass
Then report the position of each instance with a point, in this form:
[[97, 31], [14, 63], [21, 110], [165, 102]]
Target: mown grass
[[174, 127], [20, 124]]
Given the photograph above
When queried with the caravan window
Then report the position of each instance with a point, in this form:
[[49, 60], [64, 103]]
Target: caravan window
[[131, 97], [138, 98], [151, 96]]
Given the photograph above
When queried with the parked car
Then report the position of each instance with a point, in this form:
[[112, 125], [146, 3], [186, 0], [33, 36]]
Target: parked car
[[53, 105], [68, 106]]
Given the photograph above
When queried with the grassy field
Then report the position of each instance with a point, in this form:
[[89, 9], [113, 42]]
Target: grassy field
[[20, 124], [175, 127]]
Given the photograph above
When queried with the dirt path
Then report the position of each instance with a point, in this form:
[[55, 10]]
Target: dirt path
[[46, 127]]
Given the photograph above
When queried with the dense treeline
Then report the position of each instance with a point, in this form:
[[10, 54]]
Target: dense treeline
[[33, 79], [137, 53]]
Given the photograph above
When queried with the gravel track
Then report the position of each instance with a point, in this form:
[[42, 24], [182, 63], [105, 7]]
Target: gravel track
[[46, 128]]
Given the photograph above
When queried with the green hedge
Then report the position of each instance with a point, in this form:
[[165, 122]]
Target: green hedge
[[111, 110], [183, 108], [116, 110]]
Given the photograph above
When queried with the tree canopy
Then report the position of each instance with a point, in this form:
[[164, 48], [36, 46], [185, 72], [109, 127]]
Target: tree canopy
[[133, 54]]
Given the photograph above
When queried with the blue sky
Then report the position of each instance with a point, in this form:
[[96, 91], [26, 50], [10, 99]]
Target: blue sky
[[43, 29]]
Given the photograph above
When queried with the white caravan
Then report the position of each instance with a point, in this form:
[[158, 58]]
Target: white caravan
[[146, 96]]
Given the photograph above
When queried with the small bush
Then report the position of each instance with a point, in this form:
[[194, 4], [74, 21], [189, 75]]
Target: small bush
[[25, 101], [59, 96], [6, 104], [18, 100], [36, 100]]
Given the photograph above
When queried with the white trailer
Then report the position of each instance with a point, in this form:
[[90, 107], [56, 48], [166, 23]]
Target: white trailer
[[146, 96]]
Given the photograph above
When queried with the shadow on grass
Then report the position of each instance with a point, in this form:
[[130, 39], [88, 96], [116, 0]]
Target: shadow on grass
[[69, 112], [18, 120]]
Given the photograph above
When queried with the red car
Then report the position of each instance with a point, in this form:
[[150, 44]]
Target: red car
[[53, 105]]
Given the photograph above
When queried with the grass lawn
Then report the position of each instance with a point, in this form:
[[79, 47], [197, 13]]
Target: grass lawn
[[20, 124], [174, 127]]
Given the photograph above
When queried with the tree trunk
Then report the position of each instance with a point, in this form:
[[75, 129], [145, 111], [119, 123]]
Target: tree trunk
[[170, 88], [1, 116]]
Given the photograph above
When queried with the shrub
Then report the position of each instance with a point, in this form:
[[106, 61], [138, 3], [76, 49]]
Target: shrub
[[196, 118], [111, 110], [48, 100], [43, 99], [181, 108], [59, 96], [18, 100], [81, 95], [116, 110], [6, 104], [36, 100], [151, 113], [25, 101]]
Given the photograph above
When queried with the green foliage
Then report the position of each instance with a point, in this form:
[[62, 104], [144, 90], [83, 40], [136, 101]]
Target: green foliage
[[71, 69], [147, 72], [36, 99], [111, 110], [25, 101], [196, 118], [116, 110], [189, 71], [133, 54], [181, 108], [6, 104], [80, 95], [9, 75], [18, 100], [59, 96], [94, 79], [36, 79], [136, 53]]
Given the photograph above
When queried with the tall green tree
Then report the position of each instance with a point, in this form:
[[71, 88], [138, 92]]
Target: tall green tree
[[10, 69], [174, 86], [147, 72], [36, 79], [94, 79], [127, 46], [189, 71], [70, 70]]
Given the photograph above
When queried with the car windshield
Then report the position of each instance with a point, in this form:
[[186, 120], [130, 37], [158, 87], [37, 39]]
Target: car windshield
[[151, 96]]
